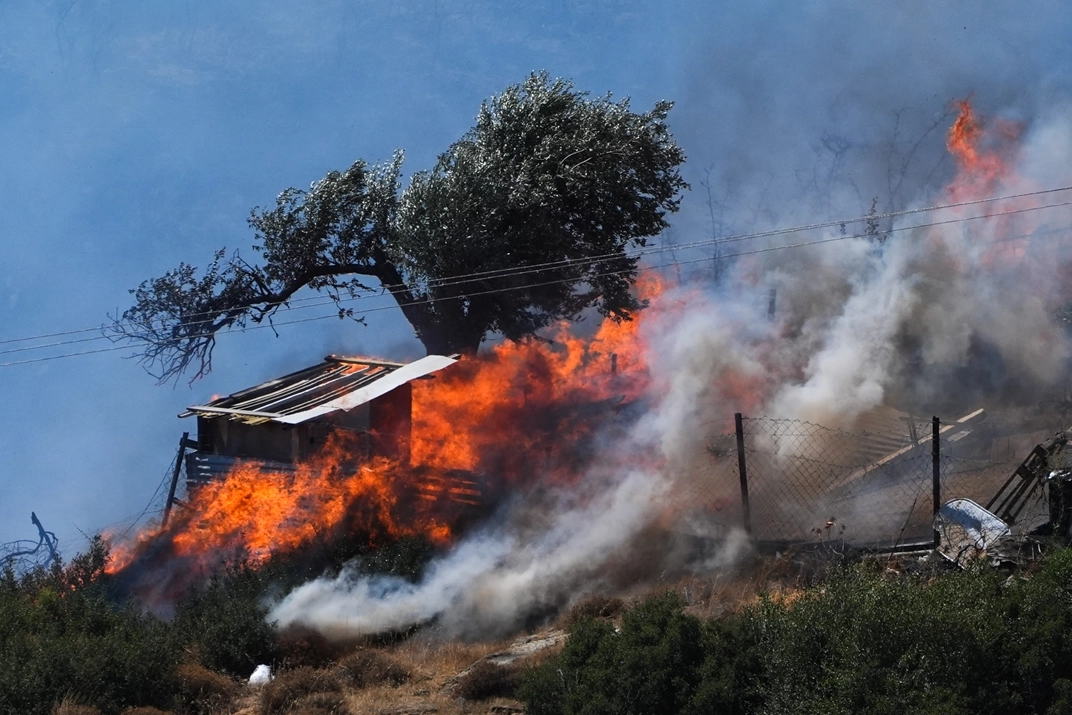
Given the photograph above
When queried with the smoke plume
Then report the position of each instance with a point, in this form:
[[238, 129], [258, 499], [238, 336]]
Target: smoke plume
[[928, 308]]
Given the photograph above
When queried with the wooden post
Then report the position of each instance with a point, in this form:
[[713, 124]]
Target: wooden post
[[175, 478], [936, 472], [742, 467]]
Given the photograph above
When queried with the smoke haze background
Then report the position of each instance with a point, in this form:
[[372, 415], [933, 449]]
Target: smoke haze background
[[137, 137]]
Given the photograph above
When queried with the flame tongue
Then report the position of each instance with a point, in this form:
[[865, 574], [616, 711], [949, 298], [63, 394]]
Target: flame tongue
[[519, 414], [964, 137], [981, 152]]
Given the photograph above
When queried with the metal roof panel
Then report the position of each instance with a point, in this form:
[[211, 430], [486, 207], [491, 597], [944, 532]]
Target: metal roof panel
[[338, 383]]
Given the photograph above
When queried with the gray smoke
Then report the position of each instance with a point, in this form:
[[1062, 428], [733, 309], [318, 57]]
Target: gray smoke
[[817, 117]]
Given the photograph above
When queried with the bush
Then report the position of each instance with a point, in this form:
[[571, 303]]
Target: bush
[[366, 667], [651, 665], [595, 607], [69, 707], [862, 641], [292, 686], [324, 703], [200, 691], [225, 622], [63, 641], [487, 680], [300, 645]]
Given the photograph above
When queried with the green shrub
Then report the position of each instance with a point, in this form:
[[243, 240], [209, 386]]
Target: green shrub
[[861, 641], [62, 641], [651, 665], [224, 623]]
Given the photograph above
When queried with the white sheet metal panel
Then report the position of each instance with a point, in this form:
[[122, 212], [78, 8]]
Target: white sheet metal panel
[[967, 530], [396, 378]]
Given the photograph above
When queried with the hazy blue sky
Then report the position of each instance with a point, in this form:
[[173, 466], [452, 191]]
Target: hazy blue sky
[[137, 135]]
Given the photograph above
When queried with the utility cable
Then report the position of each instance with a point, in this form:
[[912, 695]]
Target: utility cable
[[557, 281], [564, 263]]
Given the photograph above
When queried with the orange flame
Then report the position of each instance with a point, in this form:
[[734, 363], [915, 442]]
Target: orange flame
[[493, 407], [981, 153], [984, 153], [522, 411], [255, 512]]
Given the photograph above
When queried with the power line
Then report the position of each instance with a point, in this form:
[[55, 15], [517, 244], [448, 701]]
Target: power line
[[366, 311], [458, 279]]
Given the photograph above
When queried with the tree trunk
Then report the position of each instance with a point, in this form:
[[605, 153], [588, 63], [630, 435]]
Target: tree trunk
[[441, 331]]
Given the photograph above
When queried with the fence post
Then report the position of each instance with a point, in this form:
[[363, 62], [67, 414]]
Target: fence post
[[738, 422], [174, 479], [936, 472]]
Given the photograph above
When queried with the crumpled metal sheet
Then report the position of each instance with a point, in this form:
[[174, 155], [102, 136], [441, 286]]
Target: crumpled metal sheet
[[967, 532]]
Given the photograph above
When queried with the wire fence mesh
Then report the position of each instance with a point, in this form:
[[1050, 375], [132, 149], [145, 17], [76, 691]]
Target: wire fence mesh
[[811, 483]]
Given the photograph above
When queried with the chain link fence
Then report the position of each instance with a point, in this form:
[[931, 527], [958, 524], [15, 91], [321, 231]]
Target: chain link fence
[[804, 482]]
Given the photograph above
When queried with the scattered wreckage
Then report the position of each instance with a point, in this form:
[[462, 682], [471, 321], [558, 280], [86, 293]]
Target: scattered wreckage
[[967, 532]]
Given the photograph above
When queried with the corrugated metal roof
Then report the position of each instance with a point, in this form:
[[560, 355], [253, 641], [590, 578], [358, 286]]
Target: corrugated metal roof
[[338, 383]]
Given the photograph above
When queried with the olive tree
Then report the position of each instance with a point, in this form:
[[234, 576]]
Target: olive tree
[[534, 215]]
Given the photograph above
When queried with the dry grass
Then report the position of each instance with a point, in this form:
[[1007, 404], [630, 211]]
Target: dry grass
[[68, 706], [301, 646], [323, 703], [423, 675], [434, 667], [367, 667], [145, 711], [201, 691], [782, 576], [434, 663], [486, 680], [293, 686], [594, 607]]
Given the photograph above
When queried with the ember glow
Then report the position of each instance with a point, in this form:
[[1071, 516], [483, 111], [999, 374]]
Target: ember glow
[[255, 512]]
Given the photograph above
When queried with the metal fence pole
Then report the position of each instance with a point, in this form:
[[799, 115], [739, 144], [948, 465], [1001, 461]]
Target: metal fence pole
[[746, 511], [936, 472]]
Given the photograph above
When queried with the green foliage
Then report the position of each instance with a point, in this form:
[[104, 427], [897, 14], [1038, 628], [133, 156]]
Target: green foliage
[[66, 637], [961, 642], [528, 219], [979, 641], [225, 624], [61, 637], [650, 665]]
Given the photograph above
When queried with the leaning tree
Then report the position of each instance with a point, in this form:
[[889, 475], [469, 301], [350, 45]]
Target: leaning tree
[[535, 214]]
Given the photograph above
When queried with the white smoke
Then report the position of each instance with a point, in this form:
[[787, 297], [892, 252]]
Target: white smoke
[[943, 312], [492, 579], [918, 312]]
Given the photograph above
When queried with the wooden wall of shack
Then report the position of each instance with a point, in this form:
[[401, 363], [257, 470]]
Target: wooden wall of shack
[[380, 428]]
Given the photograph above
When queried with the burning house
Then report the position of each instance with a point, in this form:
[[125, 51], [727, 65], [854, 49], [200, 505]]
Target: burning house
[[289, 420]]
